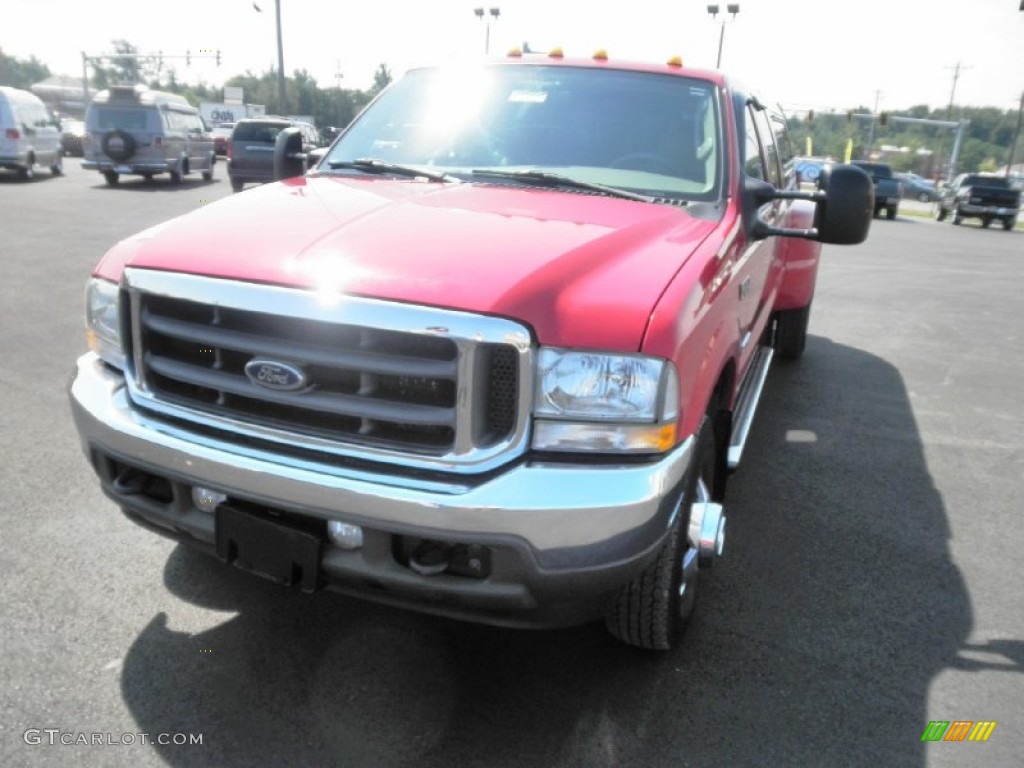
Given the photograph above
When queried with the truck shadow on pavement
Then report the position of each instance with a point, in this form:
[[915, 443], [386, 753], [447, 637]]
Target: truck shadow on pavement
[[816, 642]]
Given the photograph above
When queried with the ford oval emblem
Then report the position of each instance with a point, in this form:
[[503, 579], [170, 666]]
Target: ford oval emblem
[[273, 374]]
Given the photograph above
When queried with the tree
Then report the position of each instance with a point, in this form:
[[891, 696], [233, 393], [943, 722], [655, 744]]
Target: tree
[[381, 79], [21, 74], [987, 137], [126, 68]]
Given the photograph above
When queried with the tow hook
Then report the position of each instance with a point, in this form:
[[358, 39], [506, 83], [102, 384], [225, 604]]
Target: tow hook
[[707, 531], [431, 558]]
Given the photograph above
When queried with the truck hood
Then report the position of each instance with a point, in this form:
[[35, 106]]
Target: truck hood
[[582, 270]]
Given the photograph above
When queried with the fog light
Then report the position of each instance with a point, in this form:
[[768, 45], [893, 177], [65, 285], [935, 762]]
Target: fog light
[[207, 499], [345, 535]]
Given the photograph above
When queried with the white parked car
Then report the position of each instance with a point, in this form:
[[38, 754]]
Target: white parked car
[[29, 134]]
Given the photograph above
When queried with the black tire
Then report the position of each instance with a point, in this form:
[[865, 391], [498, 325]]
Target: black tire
[[208, 174], [147, 177], [986, 222], [29, 171], [237, 185], [111, 177], [652, 611], [119, 150], [791, 332], [957, 218], [58, 165], [177, 173], [940, 214], [890, 212], [1009, 224]]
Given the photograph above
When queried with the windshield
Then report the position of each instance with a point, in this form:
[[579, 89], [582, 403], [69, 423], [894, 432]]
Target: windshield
[[650, 133], [987, 181]]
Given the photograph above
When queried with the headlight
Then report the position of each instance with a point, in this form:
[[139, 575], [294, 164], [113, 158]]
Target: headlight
[[103, 321], [587, 401]]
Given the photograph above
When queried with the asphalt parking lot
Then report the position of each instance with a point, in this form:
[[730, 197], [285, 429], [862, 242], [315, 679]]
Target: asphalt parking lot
[[871, 582]]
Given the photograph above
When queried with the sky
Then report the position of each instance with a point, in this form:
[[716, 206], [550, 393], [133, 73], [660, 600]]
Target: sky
[[804, 54]]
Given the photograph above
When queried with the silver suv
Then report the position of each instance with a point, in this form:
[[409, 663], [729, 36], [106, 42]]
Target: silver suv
[[251, 148], [133, 129]]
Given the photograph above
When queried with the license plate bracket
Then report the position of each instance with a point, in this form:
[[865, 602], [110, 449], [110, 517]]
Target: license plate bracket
[[269, 548]]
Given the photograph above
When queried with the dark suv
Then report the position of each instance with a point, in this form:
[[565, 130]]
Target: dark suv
[[251, 148]]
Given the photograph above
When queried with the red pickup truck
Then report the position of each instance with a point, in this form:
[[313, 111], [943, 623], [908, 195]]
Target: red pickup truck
[[493, 357]]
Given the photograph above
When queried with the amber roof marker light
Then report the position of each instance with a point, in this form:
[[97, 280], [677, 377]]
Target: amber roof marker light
[[714, 9]]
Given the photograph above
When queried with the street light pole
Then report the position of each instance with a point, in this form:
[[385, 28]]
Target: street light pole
[[731, 8], [494, 13], [282, 106], [282, 96]]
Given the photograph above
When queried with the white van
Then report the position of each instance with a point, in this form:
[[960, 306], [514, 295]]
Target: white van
[[134, 129], [29, 134]]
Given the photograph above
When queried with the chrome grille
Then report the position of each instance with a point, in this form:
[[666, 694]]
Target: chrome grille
[[382, 380]]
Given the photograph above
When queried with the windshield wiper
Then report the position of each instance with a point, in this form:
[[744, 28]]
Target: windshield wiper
[[371, 165], [547, 179]]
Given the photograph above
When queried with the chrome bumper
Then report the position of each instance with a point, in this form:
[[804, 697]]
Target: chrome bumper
[[570, 515], [103, 165], [967, 209]]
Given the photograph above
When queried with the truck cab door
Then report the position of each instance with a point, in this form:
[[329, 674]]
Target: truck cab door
[[758, 271]]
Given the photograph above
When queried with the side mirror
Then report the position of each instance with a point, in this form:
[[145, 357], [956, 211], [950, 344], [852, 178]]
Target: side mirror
[[289, 159], [314, 157], [844, 215], [845, 201]]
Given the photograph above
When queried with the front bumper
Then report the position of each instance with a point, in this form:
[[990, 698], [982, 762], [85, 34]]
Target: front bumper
[[562, 537]]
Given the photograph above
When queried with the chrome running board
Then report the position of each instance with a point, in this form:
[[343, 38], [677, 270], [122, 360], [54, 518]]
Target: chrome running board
[[746, 405]]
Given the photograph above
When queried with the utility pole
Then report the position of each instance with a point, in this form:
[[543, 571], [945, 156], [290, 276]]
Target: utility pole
[[952, 92], [1016, 133]]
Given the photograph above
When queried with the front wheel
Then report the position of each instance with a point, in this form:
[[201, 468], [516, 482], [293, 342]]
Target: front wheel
[[208, 173], [986, 222], [1009, 223], [58, 165], [957, 217], [237, 185], [940, 214], [177, 173], [791, 332], [111, 177], [890, 212], [652, 611]]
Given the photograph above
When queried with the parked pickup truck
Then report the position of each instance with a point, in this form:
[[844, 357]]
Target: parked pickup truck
[[491, 358], [888, 189], [980, 196]]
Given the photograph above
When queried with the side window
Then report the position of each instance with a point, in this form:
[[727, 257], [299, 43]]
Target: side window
[[752, 161], [771, 154], [787, 158]]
